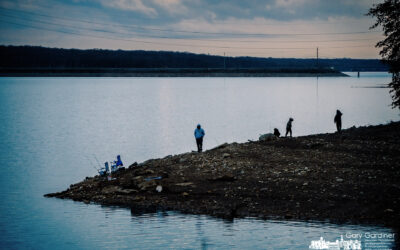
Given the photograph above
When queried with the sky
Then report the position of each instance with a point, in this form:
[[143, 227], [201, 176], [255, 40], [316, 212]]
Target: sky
[[257, 28]]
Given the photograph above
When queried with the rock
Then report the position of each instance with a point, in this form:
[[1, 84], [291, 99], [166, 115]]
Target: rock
[[135, 164], [226, 177], [147, 184], [159, 188], [98, 197], [149, 171], [185, 194], [181, 160], [288, 216], [184, 184], [339, 179], [388, 210], [164, 175], [109, 190], [127, 191], [139, 198], [314, 145], [302, 173], [226, 155], [267, 137], [117, 190], [305, 184], [138, 179], [221, 146]]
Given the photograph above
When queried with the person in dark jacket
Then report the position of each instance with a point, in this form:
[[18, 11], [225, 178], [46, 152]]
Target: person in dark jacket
[[199, 134], [289, 127], [338, 120], [276, 132]]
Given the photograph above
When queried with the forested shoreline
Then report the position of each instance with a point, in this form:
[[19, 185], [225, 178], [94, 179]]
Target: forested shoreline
[[38, 59]]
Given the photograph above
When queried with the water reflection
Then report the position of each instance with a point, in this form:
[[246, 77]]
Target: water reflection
[[172, 229]]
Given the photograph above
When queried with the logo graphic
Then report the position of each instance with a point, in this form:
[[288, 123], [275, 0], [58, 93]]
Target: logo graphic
[[338, 244], [367, 240]]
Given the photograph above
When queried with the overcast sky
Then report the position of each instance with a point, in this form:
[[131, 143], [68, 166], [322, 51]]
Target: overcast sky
[[269, 28]]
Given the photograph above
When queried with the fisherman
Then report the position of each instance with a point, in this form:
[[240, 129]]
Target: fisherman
[[105, 170], [276, 132], [118, 162], [199, 134], [289, 127], [338, 120]]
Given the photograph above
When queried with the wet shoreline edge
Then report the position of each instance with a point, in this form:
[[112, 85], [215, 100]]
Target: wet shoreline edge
[[352, 177]]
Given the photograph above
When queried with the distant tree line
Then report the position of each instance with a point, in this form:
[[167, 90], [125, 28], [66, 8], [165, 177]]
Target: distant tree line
[[41, 57]]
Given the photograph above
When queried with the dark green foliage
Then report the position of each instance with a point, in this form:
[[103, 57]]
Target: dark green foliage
[[387, 15]]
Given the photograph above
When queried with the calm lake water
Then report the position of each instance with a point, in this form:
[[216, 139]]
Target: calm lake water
[[52, 129]]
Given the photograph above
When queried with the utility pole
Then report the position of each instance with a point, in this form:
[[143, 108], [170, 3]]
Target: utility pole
[[317, 59], [224, 62]]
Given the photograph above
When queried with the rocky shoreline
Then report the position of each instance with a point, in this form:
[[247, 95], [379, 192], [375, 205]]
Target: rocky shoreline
[[349, 177]]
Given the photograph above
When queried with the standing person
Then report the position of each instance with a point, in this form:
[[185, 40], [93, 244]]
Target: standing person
[[199, 134], [338, 120], [289, 127]]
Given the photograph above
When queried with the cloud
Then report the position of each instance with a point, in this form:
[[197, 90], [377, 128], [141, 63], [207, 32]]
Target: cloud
[[132, 5], [171, 6], [286, 3], [283, 10], [214, 26]]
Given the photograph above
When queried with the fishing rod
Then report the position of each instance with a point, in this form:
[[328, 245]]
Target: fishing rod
[[97, 161], [216, 141], [91, 163]]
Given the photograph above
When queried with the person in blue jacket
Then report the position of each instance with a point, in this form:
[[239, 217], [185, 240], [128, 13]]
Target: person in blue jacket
[[199, 134], [118, 162]]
